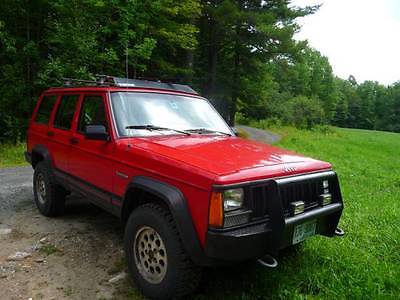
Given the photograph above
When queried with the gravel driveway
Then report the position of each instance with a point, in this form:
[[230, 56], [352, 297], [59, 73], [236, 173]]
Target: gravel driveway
[[260, 135], [76, 256]]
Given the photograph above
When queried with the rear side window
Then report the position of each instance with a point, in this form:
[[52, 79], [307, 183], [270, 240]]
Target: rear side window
[[45, 109], [92, 112], [65, 112]]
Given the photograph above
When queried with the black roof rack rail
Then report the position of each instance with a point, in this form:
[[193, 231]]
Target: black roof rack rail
[[105, 80]]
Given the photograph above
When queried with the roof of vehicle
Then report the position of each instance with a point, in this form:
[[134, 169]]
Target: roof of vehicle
[[105, 83]]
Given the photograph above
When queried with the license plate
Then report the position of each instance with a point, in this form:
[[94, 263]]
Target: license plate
[[303, 231]]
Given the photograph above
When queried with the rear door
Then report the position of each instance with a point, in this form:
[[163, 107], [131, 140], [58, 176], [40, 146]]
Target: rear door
[[91, 160], [60, 134], [39, 127]]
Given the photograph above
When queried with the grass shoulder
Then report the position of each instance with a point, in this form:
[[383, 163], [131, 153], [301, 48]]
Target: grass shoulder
[[12, 155]]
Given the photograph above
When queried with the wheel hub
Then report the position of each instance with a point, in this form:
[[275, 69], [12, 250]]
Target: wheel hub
[[41, 188], [150, 255]]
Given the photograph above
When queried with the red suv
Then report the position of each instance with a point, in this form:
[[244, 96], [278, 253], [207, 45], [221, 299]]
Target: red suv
[[191, 193]]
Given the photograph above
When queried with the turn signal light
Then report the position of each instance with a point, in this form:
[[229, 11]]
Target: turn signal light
[[216, 213]]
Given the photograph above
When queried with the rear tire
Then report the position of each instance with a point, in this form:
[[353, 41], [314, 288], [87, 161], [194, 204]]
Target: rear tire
[[49, 196], [156, 258]]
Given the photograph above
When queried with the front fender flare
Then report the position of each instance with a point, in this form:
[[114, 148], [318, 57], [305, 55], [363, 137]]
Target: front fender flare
[[177, 205]]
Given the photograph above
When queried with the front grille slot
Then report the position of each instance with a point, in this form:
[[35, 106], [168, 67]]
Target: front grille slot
[[259, 201]]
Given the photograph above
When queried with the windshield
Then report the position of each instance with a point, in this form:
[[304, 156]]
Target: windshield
[[136, 113]]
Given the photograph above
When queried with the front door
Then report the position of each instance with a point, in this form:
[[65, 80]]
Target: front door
[[59, 132], [91, 160]]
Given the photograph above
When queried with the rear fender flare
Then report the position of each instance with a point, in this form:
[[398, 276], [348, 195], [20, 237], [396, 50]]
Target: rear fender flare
[[42, 151]]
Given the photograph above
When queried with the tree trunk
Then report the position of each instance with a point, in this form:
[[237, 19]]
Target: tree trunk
[[212, 49], [190, 59], [235, 79], [28, 60]]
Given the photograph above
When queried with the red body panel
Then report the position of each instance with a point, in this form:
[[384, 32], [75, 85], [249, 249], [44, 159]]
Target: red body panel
[[91, 160], [193, 164]]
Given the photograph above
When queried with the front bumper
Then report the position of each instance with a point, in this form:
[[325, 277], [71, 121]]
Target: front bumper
[[257, 240]]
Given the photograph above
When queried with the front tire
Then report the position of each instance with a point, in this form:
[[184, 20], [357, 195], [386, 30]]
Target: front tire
[[156, 259], [49, 196]]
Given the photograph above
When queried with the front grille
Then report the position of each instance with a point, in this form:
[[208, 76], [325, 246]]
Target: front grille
[[307, 189]]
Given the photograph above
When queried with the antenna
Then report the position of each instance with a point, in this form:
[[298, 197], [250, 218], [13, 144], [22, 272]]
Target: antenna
[[126, 61]]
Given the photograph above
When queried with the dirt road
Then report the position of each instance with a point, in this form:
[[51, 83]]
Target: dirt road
[[73, 256], [260, 135]]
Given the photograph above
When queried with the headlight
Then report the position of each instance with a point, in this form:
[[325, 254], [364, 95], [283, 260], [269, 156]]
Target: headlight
[[233, 199]]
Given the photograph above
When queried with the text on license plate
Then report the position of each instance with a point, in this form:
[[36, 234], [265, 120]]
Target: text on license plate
[[303, 231]]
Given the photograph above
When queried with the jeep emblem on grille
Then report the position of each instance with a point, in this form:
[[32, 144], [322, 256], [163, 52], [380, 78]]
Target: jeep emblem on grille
[[289, 169]]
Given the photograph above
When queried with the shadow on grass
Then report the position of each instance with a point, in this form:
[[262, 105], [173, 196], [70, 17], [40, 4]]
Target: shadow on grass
[[243, 280]]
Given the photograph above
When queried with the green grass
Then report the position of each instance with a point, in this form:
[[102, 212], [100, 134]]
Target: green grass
[[49, 249], [365, 264], [12, 155]]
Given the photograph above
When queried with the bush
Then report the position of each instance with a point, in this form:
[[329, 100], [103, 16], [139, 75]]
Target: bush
[[266, 123], [304, 112], [241, 119]]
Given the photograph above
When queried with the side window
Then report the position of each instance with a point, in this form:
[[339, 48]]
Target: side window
[[92, 112], [65, 112], [45, 109]]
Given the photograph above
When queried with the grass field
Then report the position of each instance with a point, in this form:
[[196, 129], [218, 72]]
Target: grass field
[[365, 264], [12, 155]]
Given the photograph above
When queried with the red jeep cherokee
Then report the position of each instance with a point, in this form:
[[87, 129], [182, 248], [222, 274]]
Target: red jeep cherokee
[[191, 193]]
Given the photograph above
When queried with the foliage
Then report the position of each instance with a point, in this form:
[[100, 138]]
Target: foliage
[[304, 112], [240, 54], [42, 41], [12, 155]]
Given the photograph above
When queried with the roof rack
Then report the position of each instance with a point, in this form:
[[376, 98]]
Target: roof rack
[[105, 80]]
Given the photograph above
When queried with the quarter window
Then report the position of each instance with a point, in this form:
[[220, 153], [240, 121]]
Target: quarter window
[[92, 112], [45, 109], [65, 112]]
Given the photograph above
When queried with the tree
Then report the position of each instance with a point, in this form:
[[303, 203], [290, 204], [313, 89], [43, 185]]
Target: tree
[[43, 41], [304, 112], [239, 37]]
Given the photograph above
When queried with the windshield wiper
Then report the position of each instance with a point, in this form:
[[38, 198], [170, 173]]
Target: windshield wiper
[[205, 130], [153, 127]]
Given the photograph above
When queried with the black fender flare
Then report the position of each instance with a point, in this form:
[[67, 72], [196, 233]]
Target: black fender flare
[[177, 205], [44, 152]]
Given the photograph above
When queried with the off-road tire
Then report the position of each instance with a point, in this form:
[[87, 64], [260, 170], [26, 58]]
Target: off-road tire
[[182, 275], [53, 202]]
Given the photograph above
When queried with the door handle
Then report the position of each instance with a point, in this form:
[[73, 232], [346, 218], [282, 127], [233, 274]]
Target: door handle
[[50, 133], [74, 141]]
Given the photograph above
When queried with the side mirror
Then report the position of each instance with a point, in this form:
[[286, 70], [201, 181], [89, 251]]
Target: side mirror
[[235, 131], [96, 132]]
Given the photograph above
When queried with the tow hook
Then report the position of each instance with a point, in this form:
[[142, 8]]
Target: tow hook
[[339, 232], [268, 261]]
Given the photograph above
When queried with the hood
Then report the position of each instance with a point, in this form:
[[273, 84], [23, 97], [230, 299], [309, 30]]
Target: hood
[[223, 155]]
